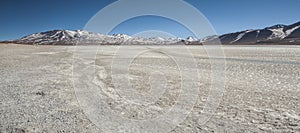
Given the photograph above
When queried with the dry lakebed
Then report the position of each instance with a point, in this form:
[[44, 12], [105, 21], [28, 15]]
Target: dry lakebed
[[261, 88]]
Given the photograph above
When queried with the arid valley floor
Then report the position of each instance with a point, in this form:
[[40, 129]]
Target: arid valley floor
[[262, 88]]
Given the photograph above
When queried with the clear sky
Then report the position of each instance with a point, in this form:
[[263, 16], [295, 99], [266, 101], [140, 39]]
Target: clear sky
[[22, 17]]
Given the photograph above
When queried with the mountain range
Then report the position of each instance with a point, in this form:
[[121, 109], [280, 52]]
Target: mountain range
[[280, 34], [277, 34]]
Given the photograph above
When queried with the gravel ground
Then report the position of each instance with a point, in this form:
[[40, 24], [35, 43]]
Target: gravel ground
[[261, 93]]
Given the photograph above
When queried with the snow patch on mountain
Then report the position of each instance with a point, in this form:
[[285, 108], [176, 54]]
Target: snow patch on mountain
[[277, 34], [191, 39], [240, 36], [288, 32]]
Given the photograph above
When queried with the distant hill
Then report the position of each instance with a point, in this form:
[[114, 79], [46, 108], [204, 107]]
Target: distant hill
[[281, 34]]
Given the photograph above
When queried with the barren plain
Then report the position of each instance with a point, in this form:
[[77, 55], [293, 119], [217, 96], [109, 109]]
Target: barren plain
[[261, 91]]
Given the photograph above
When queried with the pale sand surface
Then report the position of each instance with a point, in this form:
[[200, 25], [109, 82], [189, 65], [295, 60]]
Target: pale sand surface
[[262, 88]]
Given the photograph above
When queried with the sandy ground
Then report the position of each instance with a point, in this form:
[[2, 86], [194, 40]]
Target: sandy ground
[[261, 93]]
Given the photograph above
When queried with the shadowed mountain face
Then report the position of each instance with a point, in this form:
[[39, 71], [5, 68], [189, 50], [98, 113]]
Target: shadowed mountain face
[[279, 34], [276, 34]]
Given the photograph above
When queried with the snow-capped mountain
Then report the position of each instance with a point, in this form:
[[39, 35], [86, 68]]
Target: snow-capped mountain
[[273, 34], [64, 37], [68, 37], [191, 39]]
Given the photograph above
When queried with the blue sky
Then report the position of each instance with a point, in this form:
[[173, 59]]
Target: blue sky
[[19, 17]]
